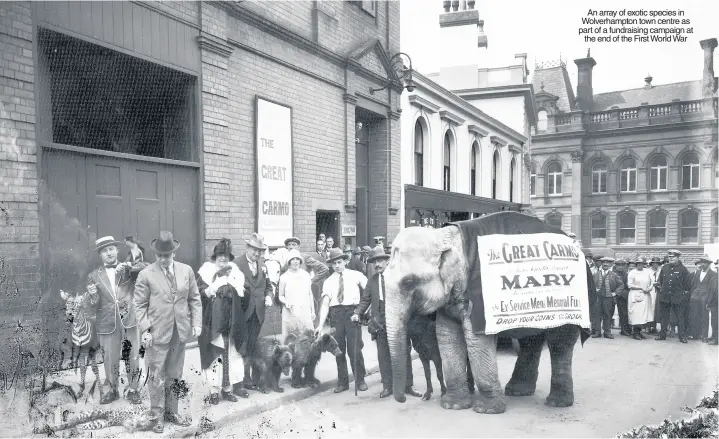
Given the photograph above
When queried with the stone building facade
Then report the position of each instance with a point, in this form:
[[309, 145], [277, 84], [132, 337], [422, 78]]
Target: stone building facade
[[171, 142], [631, 170]]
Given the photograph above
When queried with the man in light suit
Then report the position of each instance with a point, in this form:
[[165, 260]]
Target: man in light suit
[[169, 313], [111, 303]]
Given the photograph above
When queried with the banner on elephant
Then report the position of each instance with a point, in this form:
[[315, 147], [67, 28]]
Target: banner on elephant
[[532, 281]]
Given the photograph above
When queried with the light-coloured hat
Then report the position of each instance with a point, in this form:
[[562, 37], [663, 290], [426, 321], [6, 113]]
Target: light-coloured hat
[[674, 253], [704, 258], [295, 254], [257, 241], [105, 241], [607, 259]]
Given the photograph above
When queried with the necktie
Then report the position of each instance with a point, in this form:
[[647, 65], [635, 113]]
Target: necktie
[[381, 276], [341, 291], [110, 266], [170, 279]]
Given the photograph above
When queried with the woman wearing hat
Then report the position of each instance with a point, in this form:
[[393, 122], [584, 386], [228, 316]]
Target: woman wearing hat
[[640, 283], [295, 294], [221, 286]]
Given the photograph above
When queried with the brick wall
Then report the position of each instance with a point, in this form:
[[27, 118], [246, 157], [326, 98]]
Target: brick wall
[[19, 223]]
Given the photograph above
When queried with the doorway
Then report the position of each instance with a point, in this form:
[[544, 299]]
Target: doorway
[[328, 222]]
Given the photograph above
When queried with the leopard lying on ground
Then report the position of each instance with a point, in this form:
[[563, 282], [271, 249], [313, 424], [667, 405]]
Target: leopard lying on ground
[[132, 419]]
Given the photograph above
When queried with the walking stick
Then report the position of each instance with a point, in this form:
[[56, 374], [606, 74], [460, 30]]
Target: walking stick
[[354, 360]]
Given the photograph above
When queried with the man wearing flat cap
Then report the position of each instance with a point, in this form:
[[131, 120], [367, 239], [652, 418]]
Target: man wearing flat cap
[[704, 287], [608, 285], [111, 304], [356, 263], [169, 313], [674, 292], [621, 299]]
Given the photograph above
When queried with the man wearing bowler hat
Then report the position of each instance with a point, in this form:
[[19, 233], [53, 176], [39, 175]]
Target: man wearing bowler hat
[[341, 293], [111, 303], [674, 289], [257, 297], [169, 313]]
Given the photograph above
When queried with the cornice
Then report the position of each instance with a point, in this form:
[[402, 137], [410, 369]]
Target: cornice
[[421, 102], [213, 44], [498, 140], [450, 117], [350, 98], [514, 149], [706, 123], [395, 115], [480, 132]]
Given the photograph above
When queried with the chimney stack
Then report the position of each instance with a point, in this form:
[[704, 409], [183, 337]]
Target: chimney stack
[[709, 82], [525, 70], [461, 33], [648, 81], [585, 94]]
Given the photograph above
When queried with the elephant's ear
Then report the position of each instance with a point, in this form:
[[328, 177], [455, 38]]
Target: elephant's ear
[[452, 262]]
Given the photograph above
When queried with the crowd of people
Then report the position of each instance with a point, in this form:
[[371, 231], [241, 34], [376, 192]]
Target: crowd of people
[[655, 293]]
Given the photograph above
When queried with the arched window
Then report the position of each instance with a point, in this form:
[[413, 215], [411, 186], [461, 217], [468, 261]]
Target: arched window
[[554, 179], [657, 227], [554, 220], [690, 172], [533, 181], [418, 154], [447, 166], [512, 170], [658, 173], [599, 228], [689, 226], [599, 178], [628, 176], [715, 226], [542, 120], [495, 170], [473, 169], [627, 227]]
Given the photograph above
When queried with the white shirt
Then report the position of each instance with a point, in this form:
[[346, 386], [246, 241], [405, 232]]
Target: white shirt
[[380, 287], [701, 275], [252, 264], [352, 280], [111, 277]]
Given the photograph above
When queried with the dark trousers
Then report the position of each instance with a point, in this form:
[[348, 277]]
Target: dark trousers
[[678, 309], [349, 339], [252, 333], [713, 321], [623, 309], [385, 362], [603, 313]]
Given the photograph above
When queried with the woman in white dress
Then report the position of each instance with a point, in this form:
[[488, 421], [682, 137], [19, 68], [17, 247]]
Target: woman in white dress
[[298, 313], [641, 283]]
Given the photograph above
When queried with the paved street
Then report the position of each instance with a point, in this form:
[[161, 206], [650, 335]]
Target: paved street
[[619, 384]]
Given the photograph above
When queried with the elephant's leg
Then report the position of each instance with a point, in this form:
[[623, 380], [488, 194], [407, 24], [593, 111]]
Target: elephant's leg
[[561, 343], [482, 350], [440, 373], [526, 369], [428, 377], [453, 351], [470, 378]]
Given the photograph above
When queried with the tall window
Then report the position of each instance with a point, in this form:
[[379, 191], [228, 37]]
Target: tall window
[[689, 226], [628, 176], [599, 178], [690, 172], [715, 226], [495, 166], [473, 170], [542, 121], [554, 220], [599, 227], [657, 227], [554, 179], [512, 169], [447, 169], [658, 170], [533, 181], [418, 154], [627, 228]]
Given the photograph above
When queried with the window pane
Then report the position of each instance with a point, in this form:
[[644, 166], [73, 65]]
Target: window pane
[[690, 234], [418, 169], [686, 177], [595, 182], [473, 182], [654, 179], [554, 220], [418, 138], [659, 161], [599, 222], [599, 233], [715, 220], [551, 185], [559, 184], [626, 235], [662, 178], [626, 221], [532, 185], [624, 181], [657, 219], [690, 219], [695, 177]]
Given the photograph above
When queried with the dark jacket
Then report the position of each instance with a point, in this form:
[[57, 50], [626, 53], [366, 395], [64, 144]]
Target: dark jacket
[[256, 289], [371, 297], [675, 284], [615, 283], [707, 288], [112, 310], [624, 276], [356, 264]]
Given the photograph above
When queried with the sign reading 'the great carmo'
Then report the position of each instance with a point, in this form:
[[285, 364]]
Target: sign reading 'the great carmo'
[[532, 281], [274, 172]]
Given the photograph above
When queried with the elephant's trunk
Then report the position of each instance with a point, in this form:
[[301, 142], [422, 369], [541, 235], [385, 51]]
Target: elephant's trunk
[[396, 321]]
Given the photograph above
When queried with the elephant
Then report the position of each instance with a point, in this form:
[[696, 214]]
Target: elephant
[[429, 272]]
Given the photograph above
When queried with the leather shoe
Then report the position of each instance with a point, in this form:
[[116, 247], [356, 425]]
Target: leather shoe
[[661, 337], [228, 396], [112, 395], [411, 391], [362, 386], [242, 393], [340, 388], [596, 335], [385, 393], [176, 419], [683, 340], [134, 397], [609, 336]]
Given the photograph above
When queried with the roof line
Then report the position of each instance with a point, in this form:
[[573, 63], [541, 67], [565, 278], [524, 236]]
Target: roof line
[[653, 86]]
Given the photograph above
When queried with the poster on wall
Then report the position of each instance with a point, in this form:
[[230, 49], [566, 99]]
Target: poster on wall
[[273, 149]]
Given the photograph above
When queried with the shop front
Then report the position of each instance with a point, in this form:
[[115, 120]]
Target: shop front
[[433, 207]]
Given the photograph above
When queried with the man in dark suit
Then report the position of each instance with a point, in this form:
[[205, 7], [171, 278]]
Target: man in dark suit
[[356, 263], [674, 290], [257, 296], [169, 313], [374, 295], [704, 287], [111, 303], [712, 303]]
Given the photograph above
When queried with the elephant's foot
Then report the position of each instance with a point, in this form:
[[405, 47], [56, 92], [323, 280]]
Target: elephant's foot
[[427, 396], [519, 388], [489, 406], [560, 399], [313, 382], [297, 385], [456, 402]]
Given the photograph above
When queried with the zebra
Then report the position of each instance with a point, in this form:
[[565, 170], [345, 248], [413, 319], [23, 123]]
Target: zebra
[[84, 337]]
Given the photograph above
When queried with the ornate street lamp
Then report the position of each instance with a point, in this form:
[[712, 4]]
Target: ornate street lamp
[[403, 70]]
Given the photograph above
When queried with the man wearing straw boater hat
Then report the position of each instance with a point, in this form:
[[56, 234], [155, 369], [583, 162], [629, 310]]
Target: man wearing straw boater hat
[[169, 313], [374, 299], [111, 303], [341, 293], [257, 297]]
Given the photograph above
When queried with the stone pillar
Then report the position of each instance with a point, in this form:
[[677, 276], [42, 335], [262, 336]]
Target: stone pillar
[[576, 224]]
